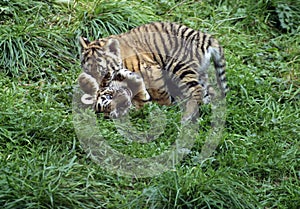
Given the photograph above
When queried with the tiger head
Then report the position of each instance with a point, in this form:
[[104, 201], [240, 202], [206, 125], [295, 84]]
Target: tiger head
[[113, 102], [100, 58]]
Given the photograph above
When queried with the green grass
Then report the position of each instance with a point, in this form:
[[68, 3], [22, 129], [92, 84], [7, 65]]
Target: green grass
[[255, 165]]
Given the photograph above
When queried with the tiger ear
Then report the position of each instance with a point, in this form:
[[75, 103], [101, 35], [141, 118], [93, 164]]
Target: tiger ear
[[87, 99], [113, 47], [84, 42]]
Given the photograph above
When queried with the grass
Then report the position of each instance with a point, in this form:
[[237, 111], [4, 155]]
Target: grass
[[255, 165]]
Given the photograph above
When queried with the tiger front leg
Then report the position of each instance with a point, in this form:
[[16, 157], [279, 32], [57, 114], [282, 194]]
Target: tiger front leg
[[89, 85]]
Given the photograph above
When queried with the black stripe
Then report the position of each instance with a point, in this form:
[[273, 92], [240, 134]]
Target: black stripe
[[192, 84], [221, 51], [175, 46], [160, 78], [190, 33], [138, 64], [169, 32], [203, 44], [169, 29], [209, 43], [161, 87], [132, 67], [157, 54], [182, 31], [147, 42], [162, 95], [221, 73], [178, 41], [185, 55], [98, 59], [125, 63], [219, 65], [97, 52], [177, 67], [198, 55], [185, 73], [161, 41], [179, 27], [192, 39], [115, 64], [223, 80]]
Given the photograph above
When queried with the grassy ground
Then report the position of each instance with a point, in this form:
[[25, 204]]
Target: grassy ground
[[42, 163]]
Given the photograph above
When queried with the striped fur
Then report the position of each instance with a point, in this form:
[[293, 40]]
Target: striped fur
[[172, 59]]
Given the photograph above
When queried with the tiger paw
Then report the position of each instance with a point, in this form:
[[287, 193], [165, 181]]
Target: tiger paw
[[88, 84], [87, 99]]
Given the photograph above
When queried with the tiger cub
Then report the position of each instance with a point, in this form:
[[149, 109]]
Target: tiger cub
[[171, 59], [126, 89]]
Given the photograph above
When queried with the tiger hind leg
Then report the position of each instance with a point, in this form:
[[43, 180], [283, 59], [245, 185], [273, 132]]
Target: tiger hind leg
[[194, 99], [191, 111]]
